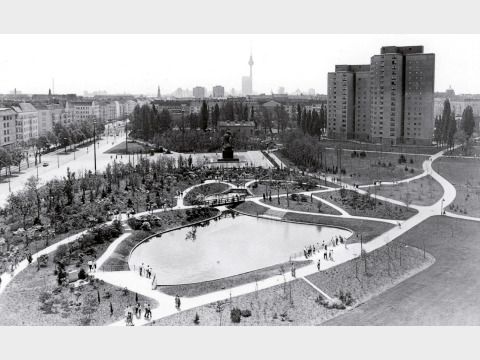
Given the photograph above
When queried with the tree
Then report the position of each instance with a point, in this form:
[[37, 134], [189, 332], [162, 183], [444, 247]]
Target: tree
[[204, 116], [468, 122], [445, 121], [5, 159], [33, 192], [215, 116], [21, 203], [452, 129]]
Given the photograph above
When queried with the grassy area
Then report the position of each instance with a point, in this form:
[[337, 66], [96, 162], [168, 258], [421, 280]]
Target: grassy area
[[292, 303], [196, 195], [374, 166], [377, 272], [168, 220], [424, 191], [216, 285], [250, 207], [133, 148], [464, 174], [364, 205], [301, 203], [34, 298], [446, 293], [262, 187]]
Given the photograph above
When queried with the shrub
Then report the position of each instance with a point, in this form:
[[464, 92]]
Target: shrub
[[146, 226], [235, 315], [134, 223], [246, 313], [82, 274]]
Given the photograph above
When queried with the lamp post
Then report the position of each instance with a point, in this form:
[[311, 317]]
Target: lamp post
[[126, 137], [94, 146]]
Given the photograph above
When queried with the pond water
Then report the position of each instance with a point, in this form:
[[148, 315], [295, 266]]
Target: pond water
[[226, 247]]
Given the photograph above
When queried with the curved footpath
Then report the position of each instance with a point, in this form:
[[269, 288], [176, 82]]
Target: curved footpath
[[166, 307]]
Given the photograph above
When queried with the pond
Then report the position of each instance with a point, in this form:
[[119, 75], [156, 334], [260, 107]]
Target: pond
[[226, 247]]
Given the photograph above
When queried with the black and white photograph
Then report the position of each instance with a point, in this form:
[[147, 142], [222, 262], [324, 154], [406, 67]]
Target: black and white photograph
[[266, 180]]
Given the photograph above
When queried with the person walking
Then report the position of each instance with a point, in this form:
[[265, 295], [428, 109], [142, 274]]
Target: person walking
[[94, 266], [318, 265], [90, 265], [325, 255]]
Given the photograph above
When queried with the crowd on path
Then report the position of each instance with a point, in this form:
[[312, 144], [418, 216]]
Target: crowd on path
[[92, 266], [311, 250], [129, 312], [145, 271]]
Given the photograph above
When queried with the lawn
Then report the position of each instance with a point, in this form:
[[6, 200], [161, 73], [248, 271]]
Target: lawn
[[301, 203], [197, 194], [379, 271], [464, 174], [424, 191], [34, 298], [444, 294], [364, 205], [249, 207], [262, 187], [237, 280], [374, 166]]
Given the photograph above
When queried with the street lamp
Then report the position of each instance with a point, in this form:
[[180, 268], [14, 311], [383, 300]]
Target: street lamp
[[94, 147]]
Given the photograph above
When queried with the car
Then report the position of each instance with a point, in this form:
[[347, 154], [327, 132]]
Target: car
[[45, 164]]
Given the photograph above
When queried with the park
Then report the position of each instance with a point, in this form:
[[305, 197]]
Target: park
[[264, 235]]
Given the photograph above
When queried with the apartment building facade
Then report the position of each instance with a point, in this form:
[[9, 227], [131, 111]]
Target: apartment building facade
[[8, 119], [390, 101]]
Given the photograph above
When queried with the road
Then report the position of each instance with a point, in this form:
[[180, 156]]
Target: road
[[58, 162]]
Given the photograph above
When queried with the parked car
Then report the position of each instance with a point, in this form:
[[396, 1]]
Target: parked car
[[45, 164]]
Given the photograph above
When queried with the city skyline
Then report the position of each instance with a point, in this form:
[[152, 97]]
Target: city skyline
[[75, 67]]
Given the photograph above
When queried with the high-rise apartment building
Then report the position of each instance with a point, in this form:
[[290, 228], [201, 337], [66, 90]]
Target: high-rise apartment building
[[341, 104], [198, 92], [389, 101], [218, 91]]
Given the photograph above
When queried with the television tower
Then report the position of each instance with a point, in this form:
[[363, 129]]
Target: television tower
[[250, 63]]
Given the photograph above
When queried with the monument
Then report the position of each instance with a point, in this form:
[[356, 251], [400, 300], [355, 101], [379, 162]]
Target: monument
[[227, 150]]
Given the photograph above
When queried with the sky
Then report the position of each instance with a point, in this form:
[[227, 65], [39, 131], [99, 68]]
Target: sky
[[137, 64]]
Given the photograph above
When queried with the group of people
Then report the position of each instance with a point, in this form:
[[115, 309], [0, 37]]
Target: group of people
[[309, 251], [138, 312], [177, 302], [145, 271], [92, 266]]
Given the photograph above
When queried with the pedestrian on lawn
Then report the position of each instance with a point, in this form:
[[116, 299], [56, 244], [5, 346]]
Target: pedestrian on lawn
[[90, 265]]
